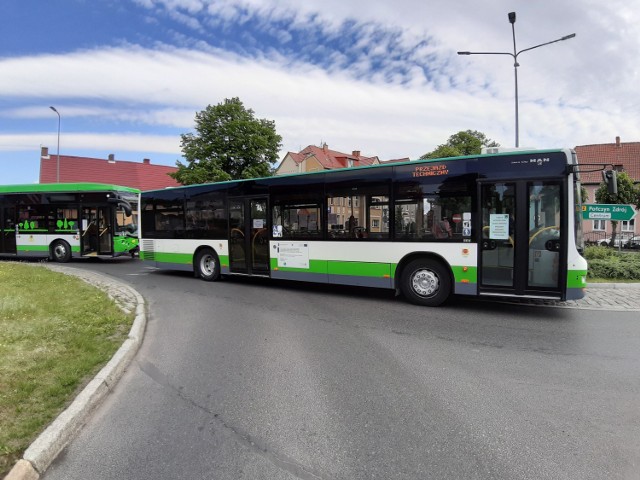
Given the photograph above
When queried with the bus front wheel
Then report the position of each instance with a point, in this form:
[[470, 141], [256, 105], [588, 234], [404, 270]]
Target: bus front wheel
[[60, 251], [207, 265], [426, 282]]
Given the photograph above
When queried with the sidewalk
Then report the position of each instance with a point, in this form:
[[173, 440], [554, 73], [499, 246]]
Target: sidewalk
[[600, 296]]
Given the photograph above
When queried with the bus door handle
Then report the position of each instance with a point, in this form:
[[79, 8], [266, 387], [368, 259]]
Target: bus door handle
[[552, 245], [489, 245]]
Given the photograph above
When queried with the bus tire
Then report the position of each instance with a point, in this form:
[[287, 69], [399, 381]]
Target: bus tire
[[426, 282], [60, 251], [207, 265]]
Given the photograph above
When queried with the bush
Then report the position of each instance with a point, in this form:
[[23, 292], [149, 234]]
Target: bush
[[598, 253], [608, 263]]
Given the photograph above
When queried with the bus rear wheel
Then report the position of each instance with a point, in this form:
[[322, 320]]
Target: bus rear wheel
[[60, 251], [207, 265], [426, 282]]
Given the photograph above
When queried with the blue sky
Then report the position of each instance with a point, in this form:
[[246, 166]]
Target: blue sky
[[384, 78]]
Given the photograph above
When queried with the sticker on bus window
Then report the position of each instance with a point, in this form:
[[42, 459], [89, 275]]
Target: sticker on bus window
[[499, 226], [277, 231]]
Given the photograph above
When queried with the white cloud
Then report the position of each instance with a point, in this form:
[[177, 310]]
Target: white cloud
[[125, 142]]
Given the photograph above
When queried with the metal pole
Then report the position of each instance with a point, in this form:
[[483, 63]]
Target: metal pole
[[58, 154], [512, 19]]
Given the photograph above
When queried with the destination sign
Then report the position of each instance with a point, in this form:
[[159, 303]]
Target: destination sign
[[602, 211]]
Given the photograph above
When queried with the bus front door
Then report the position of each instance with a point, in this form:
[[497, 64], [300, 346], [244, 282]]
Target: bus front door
[[8, 230], [521, 248], [248, 236]]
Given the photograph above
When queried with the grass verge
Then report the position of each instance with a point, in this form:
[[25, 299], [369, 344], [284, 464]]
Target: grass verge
[[56, 332]]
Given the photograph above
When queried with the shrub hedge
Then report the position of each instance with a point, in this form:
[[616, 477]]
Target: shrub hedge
[[605, 262]]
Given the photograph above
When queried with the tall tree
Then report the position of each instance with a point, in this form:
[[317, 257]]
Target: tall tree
[[467, 142], [628, 193], [229, 143]]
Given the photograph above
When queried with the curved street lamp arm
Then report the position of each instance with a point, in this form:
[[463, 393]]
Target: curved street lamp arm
[[566, 37], [487, 53]]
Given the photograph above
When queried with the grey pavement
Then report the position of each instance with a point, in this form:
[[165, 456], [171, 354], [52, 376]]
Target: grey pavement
[[38, 457], [600, 296]]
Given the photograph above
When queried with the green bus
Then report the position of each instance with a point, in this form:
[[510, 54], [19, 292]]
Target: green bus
[[66, 220], [492, 225]]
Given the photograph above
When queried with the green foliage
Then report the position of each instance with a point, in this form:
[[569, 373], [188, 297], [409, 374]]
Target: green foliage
[[467, 142], [628, 194], [55, 331], [229, 144], [597, 252], [608, 263]]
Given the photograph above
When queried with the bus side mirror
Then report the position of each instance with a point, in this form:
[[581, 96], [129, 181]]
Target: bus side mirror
[[610, 178], [126, 207]]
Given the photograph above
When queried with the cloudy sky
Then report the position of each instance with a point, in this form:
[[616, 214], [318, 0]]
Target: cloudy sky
[[128, 76]]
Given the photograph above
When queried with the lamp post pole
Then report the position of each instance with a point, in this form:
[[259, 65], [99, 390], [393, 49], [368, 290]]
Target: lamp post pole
[[58, 154], [514, 55]]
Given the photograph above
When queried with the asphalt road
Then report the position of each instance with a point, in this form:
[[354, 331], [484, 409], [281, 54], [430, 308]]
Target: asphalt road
[[246, 379]]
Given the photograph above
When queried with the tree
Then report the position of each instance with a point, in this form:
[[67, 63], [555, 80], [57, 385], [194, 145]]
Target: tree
[[467, 142], [229, 143], [628, 193]]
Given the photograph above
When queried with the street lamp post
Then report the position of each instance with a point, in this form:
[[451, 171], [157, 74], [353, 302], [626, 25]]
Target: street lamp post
[[58, 160], [514, 55]]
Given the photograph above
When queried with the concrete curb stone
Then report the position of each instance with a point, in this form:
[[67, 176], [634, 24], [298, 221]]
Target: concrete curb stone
[[59, 433]]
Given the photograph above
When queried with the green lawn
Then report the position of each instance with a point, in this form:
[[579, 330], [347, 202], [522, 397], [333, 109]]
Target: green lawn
[[56, 332]]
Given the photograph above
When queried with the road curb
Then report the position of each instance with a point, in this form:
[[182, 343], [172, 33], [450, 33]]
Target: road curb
[[59, 433]]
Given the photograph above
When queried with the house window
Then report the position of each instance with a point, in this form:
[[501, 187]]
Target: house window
[[628, 226], [599, 225]]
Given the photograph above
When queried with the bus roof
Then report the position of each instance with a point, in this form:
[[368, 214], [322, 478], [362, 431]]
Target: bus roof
[[65, 187], [382, 165]]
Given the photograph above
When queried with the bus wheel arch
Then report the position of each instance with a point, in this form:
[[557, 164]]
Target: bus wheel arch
[[60, 251], [206, 264], [425, 279]]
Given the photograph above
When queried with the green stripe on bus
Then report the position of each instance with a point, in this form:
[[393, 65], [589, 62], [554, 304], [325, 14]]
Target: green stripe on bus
[[32, 248], [360, 269], [460, 276], [42, 248], [179, 258], [576, 278]]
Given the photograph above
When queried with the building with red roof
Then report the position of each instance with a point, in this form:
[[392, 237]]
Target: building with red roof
[[143, 176], [314, 158], [619, 156]]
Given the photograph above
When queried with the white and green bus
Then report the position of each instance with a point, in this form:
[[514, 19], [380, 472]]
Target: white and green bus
[[497, 225], [65, 220]]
